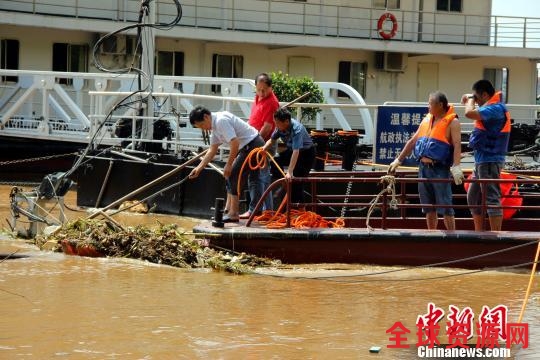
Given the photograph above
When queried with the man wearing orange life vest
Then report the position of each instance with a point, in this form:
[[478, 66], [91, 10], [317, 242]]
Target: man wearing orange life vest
[[437, 147], [489, 140]]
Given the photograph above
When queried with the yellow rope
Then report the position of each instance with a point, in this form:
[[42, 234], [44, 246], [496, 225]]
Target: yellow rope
[[531, 278]]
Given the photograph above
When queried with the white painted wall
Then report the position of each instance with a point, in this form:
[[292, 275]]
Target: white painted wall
[[455, 75], [35, 44]]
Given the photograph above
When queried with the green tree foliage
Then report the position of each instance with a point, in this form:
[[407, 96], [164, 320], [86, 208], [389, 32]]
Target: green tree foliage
[[288, 88]]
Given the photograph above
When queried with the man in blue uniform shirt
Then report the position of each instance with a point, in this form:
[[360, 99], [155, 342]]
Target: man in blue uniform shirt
[[300, 153]]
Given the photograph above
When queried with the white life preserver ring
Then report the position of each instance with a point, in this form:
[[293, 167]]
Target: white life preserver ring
[[387, 34]]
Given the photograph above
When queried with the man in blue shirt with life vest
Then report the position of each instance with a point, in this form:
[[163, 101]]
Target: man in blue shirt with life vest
[[489, 140], [437, 146]]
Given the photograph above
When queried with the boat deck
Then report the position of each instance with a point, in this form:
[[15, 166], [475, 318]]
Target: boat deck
[[389, 228], [410, 247]]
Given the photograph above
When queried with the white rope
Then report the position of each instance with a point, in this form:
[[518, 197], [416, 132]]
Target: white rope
[[390, 188]]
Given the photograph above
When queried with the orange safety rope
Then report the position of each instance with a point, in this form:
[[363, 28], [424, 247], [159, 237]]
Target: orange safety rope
[[256, 159], [300, 219], [327, 160]]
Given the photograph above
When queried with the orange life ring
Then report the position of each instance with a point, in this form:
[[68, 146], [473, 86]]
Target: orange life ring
[[385, 34]]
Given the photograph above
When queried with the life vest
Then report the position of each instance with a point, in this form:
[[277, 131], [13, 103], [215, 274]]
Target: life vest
[[495, 139], [432, 141], [510, 194]]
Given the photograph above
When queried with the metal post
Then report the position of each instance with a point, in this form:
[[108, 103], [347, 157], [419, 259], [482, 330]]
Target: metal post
[[403, 186], [496, 32], [525, 33], [218, 213], [465, 30], [147, 65], [304, 19], [484, 210], [288, 195], [105, 181], [269, 16], [384, 210], [232, 15], [313, 196]]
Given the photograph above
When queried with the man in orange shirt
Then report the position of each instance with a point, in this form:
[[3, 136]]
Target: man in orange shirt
[[262, 119]]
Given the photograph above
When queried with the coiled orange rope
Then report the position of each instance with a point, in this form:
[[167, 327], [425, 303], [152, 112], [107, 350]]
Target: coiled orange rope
[[300, 219], [256, 159]]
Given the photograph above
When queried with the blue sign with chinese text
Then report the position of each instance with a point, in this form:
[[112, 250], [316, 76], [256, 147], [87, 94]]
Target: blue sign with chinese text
[[395, 126]]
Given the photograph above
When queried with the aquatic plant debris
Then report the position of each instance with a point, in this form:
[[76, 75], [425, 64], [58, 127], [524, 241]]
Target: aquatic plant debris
[[165, 244]]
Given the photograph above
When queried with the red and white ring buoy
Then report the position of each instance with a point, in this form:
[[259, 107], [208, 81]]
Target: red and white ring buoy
[[387, 34]]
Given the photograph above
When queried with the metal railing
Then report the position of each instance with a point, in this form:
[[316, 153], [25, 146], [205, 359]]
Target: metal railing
[[305, 18], [61, 103], [402, 208], [72, 105]]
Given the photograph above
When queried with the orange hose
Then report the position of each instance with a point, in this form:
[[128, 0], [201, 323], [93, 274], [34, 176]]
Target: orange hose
[[256, 159], [300, 219]]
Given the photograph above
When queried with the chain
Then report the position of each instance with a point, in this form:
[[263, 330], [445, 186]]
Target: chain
[[9, 162], [20, 183], [347, 192]]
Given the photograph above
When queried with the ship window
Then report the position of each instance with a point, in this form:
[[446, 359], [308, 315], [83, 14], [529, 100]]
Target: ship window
[[170, 63], [69, 58], [449, 5], [9, 57], [386, 4], [499, 79], [353, 74], [231, 66]]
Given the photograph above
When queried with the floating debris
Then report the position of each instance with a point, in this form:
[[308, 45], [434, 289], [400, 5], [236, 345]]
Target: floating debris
[[166, 244]]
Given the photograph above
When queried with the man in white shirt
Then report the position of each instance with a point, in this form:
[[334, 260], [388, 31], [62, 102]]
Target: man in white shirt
[[241, 137]]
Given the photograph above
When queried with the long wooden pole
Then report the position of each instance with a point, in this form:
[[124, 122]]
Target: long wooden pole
[[150, 184], [211, 165], [295, 100]]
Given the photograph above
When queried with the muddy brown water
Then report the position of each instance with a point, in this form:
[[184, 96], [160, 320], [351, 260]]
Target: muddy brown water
[[55, 306]]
